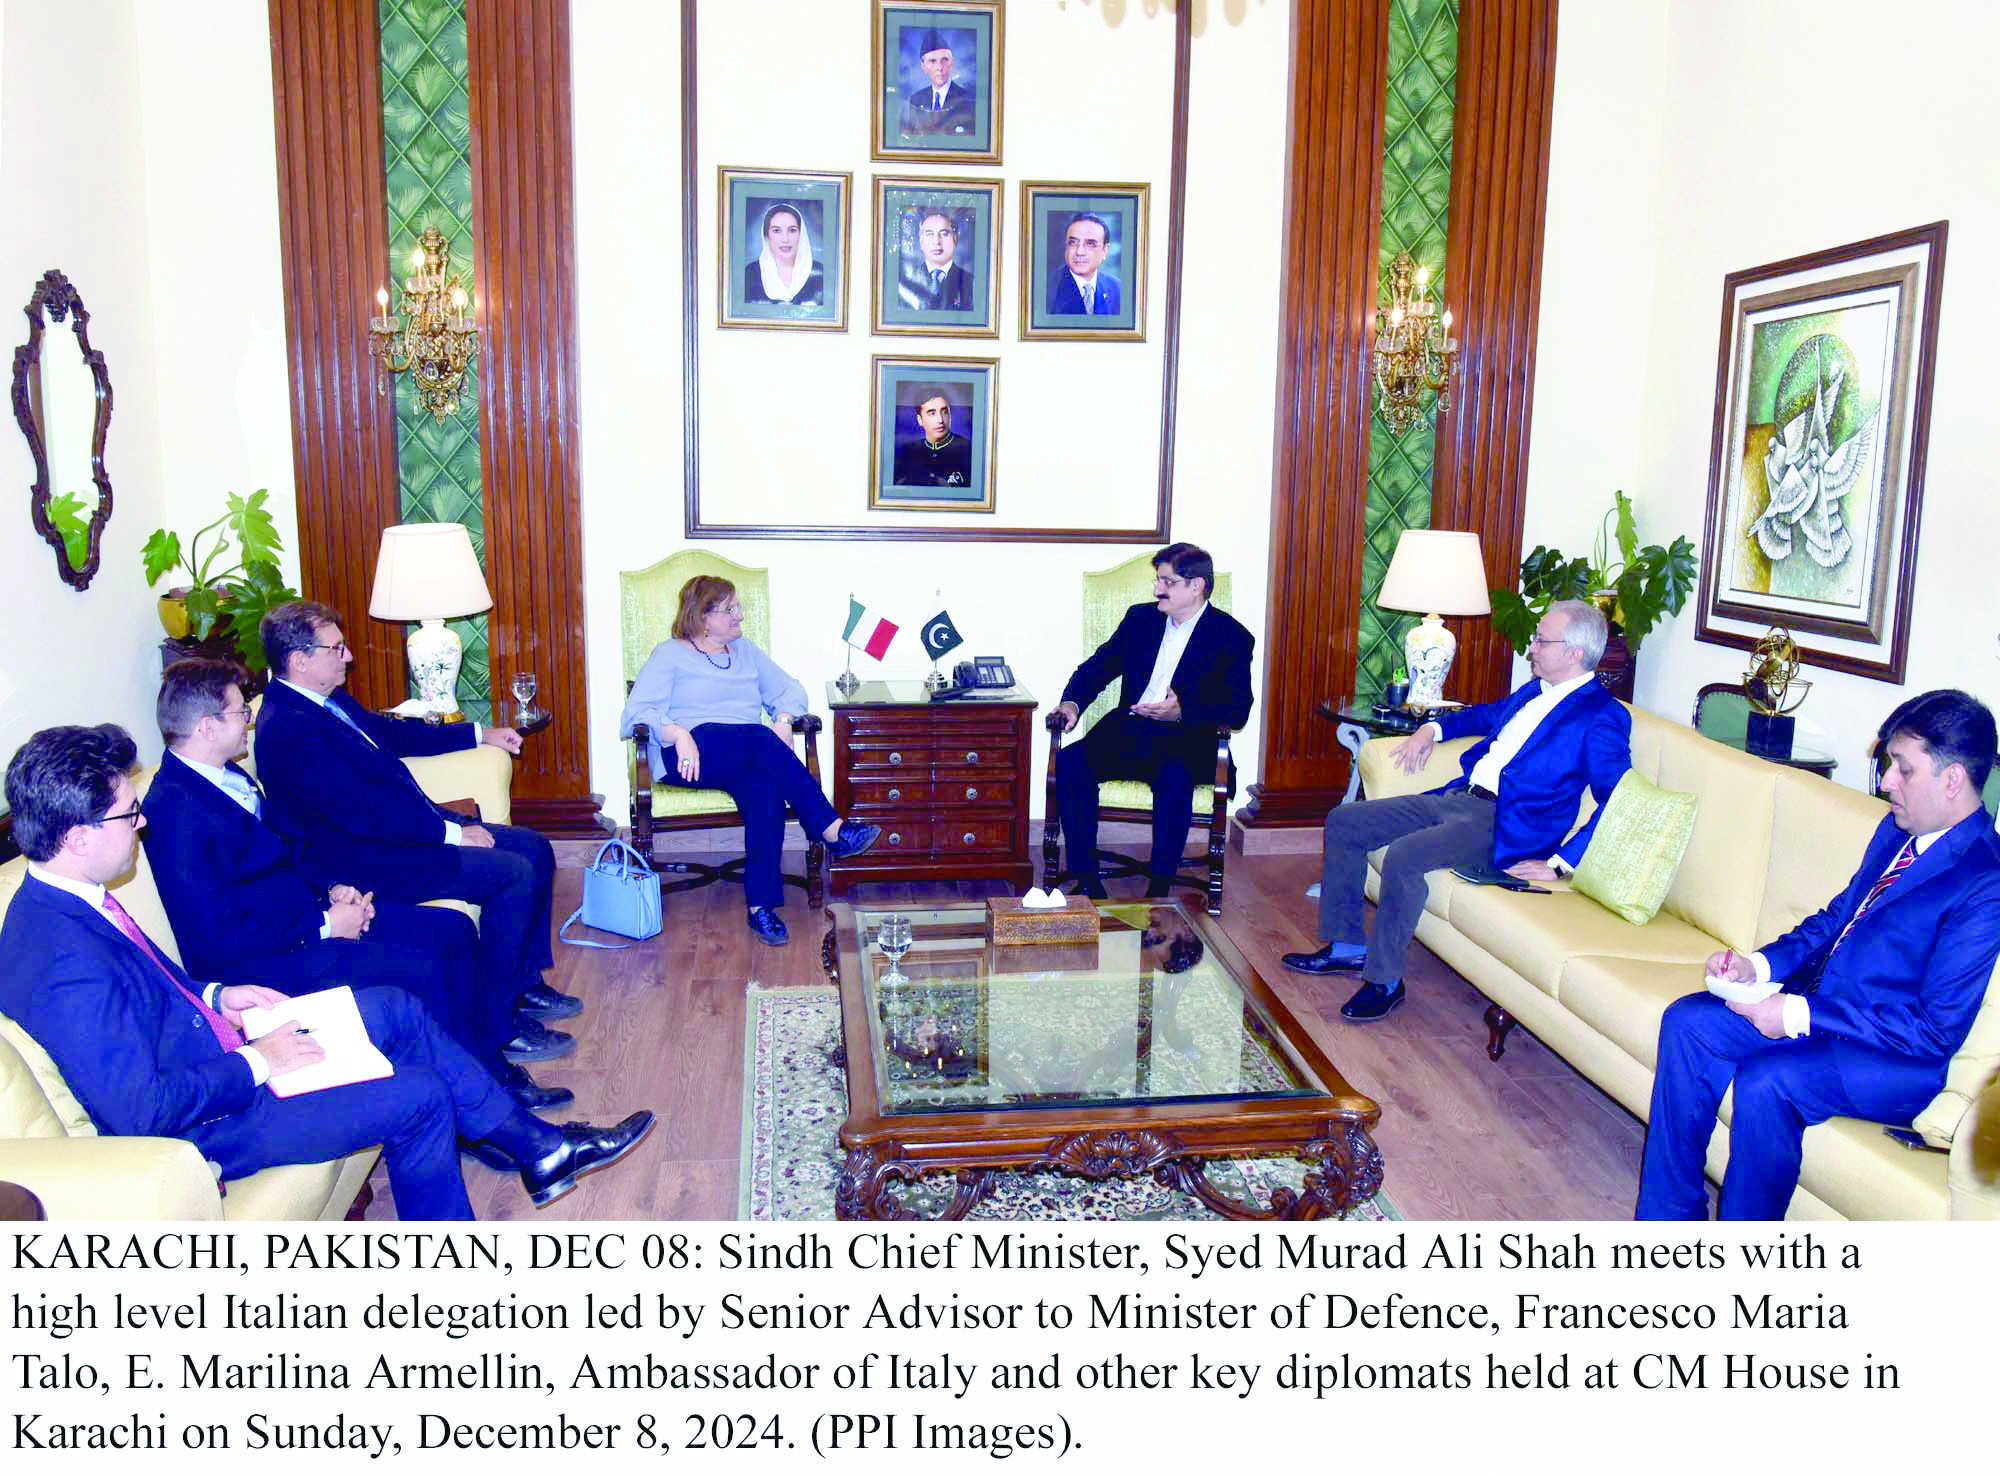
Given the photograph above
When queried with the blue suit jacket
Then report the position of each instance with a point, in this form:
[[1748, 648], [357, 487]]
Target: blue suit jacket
[[1212, 679], [322, 780], [139, 1057], [1064, 298], [233, 887], [1586, 741], [1912, 976]]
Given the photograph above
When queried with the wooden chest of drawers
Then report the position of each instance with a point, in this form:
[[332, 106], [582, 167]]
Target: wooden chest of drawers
[[946, 781]]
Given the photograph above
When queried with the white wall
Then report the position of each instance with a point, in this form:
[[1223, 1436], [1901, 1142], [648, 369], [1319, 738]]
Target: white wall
[[1022, 600], [1699, 137]]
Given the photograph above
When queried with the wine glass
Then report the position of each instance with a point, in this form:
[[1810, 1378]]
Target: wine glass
[[525, 688], [893, 935]]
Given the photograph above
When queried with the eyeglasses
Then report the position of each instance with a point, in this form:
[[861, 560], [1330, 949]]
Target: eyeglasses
[[1542, 640], [131, 817], [340, 646], [736, 610], [230, 712], [1168, 581]]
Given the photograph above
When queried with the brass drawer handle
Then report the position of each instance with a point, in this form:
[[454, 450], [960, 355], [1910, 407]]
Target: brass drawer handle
[[968, 838], [895, 838], [895, 758], [895, 794], [972, 791], [972, 756]]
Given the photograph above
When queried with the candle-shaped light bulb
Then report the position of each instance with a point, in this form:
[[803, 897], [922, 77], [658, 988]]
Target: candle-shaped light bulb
[[1396, 318], [1423, 276], [417, 259], [1447, 320]]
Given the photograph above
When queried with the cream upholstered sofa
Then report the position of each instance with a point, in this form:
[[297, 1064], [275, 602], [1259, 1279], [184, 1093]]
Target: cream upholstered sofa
[[49, 1145], [1771, 845]]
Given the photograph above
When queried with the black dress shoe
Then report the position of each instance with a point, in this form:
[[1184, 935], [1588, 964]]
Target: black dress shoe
[[853, 837], [1324, 962], [525, 1090], [768, 926], [1157, 890], [584, 1150], [545, 1003], [1092, 889], [534, 1041], [1371, 1002], [490, 1154]]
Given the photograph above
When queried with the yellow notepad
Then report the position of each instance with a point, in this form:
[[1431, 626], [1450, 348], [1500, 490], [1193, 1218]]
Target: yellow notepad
[[335, 1022]]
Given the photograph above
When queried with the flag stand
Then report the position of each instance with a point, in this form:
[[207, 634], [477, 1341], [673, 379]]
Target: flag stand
[[936, 681], [847, 682]]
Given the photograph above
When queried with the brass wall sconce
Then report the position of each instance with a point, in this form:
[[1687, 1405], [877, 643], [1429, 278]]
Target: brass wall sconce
[[1414, 349], [434, 338]]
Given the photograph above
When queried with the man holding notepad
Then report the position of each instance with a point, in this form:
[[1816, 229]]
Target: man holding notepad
[[150, 1052]]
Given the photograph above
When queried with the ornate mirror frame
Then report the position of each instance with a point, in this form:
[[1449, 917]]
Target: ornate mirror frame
[[55, 299]]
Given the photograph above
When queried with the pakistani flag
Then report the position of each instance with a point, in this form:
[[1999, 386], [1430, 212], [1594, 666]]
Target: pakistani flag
[[940, 635], [867, 630]]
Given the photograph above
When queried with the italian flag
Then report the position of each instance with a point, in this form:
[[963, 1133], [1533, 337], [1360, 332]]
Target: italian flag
[[867, 630]]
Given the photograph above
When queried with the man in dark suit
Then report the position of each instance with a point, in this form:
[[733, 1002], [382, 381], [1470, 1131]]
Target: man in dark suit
[[944, 105], [1558, 734], [150, 1052], [938, 282], [1880, 986], [1082, 286], [246, 910], [1183, 669], [333, 778]]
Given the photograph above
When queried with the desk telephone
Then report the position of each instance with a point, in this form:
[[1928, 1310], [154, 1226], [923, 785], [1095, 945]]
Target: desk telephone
[[981, 673]]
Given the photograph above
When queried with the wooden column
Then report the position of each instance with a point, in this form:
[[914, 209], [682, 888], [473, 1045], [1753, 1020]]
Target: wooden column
[[525, 237], [1493, 277], [333, 233], [1319, 494]]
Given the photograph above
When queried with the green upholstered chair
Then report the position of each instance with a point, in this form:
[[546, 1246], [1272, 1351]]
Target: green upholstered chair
[[648, 600], [1722, 712], [1107, 594]]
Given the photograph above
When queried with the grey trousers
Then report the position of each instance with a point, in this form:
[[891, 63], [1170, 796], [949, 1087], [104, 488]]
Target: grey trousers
[[1423, 832]]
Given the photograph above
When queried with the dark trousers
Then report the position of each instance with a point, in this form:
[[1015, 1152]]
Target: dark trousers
[[1783, 1087], [761, 772], [1122, 746], [512, 883], [427, 952], [438, 1095], [1422, 832]]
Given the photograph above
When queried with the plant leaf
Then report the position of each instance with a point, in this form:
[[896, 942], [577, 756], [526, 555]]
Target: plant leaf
[[1677, 575], [1638, 605], [256, 534], [1514, 618], [1628, 529], [204, 607], [250, 599], [162, 552], [66, 517]]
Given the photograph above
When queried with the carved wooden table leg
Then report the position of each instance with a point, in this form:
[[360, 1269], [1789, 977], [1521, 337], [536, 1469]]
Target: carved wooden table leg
[[829, 955], [1346, 1174], [1498, 1023], [865, 1189]]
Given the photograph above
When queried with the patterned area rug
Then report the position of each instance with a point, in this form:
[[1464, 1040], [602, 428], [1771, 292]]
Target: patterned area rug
[[795, 1096]]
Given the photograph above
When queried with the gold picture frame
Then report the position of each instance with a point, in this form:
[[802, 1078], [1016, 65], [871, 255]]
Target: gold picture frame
[[1053, 211], [908, 471]]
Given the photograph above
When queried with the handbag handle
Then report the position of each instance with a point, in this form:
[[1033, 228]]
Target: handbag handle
[[638, 864]]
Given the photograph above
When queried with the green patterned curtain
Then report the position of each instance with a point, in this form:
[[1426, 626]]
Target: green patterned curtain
[[1416, 192], [427, 156]]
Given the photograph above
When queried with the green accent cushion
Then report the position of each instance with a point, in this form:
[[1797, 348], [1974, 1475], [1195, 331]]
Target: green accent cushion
[[670, 802], [1137, 794], [1636, 848]]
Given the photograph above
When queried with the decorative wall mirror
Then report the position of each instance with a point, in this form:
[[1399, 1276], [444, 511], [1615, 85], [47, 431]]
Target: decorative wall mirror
[[62, 399]]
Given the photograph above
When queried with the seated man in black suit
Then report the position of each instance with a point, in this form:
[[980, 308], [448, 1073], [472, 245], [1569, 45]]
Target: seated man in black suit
[[246, 910], [151, 1053], [334, 778], [1183, 668]]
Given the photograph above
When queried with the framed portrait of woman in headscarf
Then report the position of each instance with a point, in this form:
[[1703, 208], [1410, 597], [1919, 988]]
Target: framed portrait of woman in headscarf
[[782, 249]]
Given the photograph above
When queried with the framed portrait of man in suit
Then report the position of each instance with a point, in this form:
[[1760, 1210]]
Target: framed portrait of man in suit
[[937, 267], [937, 81], [932, 442], [781, 249], [1083, 260]]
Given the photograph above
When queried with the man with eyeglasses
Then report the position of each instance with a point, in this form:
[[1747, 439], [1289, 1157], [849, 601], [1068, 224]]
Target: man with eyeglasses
[[1559, 733], [149, 1052], [246, 909], [1183, 669], [334, 779]]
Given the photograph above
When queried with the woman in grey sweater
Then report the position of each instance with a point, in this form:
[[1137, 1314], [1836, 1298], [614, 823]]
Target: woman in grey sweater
[[703, 695]]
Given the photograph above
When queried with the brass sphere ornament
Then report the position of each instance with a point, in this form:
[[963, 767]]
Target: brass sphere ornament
[[1772, 680]]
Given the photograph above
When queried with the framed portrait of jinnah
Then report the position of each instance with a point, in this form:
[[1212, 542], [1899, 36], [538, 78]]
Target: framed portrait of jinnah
[[937, 81]]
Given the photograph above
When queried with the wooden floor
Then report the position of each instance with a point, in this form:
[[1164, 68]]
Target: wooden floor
[[1463, 1137]]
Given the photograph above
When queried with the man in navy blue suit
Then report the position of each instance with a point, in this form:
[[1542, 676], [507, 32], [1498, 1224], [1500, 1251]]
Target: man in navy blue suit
[[1880, 987], [333, 778], [1183, 669], [150, 1052], [1556, 735], [1082, 286], [246, 910]]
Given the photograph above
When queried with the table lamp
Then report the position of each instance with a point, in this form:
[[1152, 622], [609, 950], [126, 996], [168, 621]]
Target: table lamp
[[1437, 574], [427, 572]]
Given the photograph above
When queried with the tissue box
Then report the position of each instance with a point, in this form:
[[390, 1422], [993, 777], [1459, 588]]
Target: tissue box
[[1010, 923], [1047, 958]]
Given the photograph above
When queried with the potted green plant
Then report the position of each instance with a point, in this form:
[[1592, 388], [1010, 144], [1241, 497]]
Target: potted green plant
[[1634, 589], [220, 594]]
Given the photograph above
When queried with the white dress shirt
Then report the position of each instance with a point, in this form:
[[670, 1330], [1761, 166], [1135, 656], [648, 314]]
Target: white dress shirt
[[260, 1069], [454, 834], [1173, 645]]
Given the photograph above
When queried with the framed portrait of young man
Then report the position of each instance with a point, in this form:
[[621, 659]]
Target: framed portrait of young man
[[1083, 260], [931, 443], [937, 267], [937, 81], [781, 248]]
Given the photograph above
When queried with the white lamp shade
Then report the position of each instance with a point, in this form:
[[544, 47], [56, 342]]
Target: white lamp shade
[[427, 571], [1436, 573]]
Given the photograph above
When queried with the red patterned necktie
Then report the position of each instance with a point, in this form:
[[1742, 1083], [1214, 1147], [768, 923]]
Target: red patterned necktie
[[1882, 883], [226, 1035]]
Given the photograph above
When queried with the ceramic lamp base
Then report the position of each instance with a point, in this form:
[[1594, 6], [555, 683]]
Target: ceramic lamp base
[[1428, 651], [435, 653]]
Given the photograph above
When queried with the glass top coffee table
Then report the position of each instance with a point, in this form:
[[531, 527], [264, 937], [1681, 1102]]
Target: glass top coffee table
[[1149, 1050]]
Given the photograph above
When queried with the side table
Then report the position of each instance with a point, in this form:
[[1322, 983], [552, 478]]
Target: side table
[[946, 781], [1809, 759], [1355, 723]]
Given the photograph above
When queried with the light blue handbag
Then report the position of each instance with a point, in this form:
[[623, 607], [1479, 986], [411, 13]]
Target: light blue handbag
[[620, 895]]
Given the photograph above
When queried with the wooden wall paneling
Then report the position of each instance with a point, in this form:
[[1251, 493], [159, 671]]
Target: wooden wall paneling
[[1499, 202], [333, 234], [523, 174], [1319, 492]]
